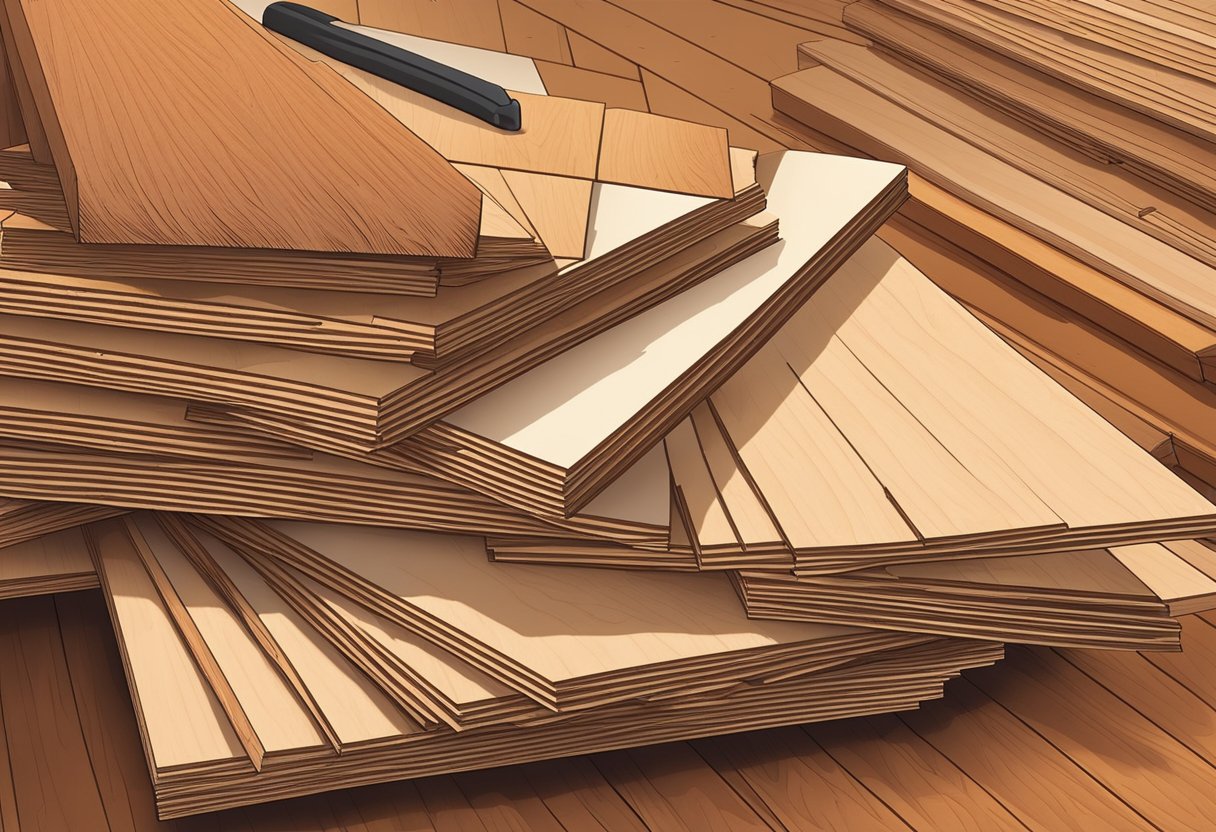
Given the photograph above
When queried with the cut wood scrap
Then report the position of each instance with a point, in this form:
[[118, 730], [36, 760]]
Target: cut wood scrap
[[725, 86], [552, 439], [1178, 99], [1171, 157], [561, 135], [558, 208], [55, 562], [649, 151], [211, 190], [823, 97]]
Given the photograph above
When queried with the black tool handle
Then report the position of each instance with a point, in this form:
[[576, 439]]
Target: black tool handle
[[475, 96]]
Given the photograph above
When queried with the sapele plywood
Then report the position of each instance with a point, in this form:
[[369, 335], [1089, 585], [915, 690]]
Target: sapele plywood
[[192, 182]]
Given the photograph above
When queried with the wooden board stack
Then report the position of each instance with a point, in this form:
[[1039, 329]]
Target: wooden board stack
[[637, 436]]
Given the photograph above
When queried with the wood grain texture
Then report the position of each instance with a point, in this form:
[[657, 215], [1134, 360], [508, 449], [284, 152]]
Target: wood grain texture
[[613, 91], [558, 208], [649, 151], [471, 22], [588, 54], [531, 34], [908, 774], [182, 720], [53, 780], [560, 135], [219, 162]]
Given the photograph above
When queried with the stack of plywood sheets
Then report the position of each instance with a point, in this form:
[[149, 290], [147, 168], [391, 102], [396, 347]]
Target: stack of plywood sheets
[[341, 479], [259, 676]]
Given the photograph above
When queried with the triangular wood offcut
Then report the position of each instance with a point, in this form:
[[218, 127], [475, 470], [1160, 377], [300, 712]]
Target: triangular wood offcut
[[558, 208], [222, 171], [667, 154]]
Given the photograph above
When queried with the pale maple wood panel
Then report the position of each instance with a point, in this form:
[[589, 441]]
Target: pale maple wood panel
[[190, 181], [280, 720], [650, 151], [558, 208], [183, 721]]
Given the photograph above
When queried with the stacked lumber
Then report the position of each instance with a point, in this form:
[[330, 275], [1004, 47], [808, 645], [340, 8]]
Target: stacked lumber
[[1025, 117], [639, 436]]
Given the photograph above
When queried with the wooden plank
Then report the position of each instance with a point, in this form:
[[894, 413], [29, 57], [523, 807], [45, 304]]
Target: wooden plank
[[588, 54], [572, 82], [822, 97], [181, 719], [762, 46], [448, 808], [1038, 783], [199, 647], [9, 822], [191, 183], [791, 773], [623, 774], [1169, 705], [54, 782], [389, 807], [909, 775], [12, 128], [694, 790], [528, 33], [1153, 773], [649, 151], [580, 798], [506, 801], [103, 705], [471, 22]]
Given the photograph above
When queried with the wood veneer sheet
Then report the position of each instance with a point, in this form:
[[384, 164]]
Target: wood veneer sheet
[[273, 164], [57, 562], [565, 638], [574, 422]]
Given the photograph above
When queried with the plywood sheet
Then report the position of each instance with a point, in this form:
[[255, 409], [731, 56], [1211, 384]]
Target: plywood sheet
[[667, 154], [190, 182]]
